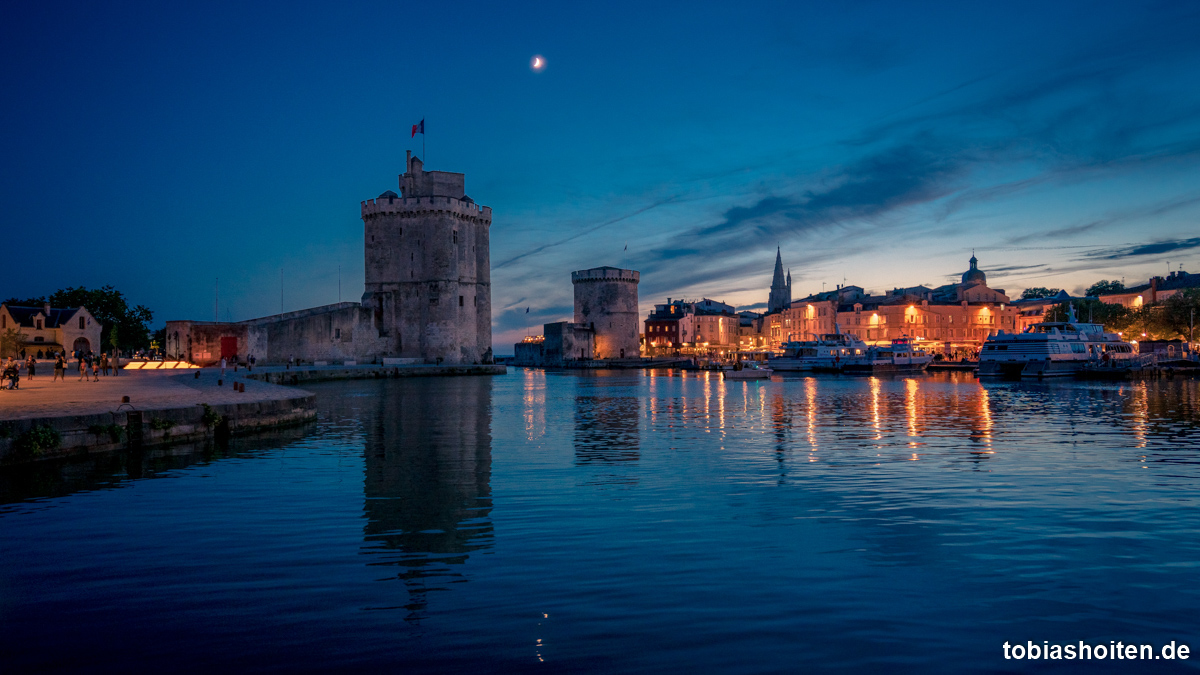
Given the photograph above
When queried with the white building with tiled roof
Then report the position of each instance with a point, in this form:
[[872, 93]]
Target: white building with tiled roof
[[46, 330]]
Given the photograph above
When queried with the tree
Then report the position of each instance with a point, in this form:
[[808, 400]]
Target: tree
[[1115, 318], [1178, 313], [27, 302], [109, 307], [11, 341], [1039, 292], [1104, 286]]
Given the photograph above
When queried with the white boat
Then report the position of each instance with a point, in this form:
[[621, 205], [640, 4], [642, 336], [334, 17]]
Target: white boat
[[1053, 349], [901, 356], [748, 372], [827, 353]]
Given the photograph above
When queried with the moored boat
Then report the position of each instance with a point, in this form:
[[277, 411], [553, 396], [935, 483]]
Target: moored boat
[[1054, 349], [827, 353], [747, 372], [901, 356]]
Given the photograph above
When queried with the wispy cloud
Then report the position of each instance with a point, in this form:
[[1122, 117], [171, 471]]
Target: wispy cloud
[[584, 232], [1154, 248]]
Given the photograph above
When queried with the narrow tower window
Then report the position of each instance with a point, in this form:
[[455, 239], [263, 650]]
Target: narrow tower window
[[455, 236], [460, 301]]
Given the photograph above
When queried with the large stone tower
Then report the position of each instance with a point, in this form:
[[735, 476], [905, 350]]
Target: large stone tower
[[606, 299], [428, 268]]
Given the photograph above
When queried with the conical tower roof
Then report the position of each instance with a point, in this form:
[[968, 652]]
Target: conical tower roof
[[777, 280]]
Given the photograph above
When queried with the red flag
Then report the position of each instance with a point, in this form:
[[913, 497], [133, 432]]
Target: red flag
[[418, 128]]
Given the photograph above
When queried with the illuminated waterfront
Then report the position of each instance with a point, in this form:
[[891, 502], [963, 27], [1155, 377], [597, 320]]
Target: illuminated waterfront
[[622, 521]]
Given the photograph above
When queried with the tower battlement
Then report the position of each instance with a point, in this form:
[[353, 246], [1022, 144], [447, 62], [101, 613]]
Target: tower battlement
[[412, 207], [605, 274]]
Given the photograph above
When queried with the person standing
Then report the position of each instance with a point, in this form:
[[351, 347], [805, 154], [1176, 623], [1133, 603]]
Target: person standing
[[96, 369], [222, 367], [82, 369], [104, 363], [31, 364], [60, 368]]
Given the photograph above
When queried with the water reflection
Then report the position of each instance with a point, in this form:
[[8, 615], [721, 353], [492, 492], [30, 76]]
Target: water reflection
[[427, 486], [104, 471], [607, 435]]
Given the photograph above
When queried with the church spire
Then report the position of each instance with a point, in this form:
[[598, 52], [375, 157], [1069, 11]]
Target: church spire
[[778, 298]]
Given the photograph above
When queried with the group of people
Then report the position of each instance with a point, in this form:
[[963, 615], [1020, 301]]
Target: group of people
[[89, 364]]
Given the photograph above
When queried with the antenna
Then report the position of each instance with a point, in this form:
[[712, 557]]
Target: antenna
[[339, 283], [217, 299], [281, 290]]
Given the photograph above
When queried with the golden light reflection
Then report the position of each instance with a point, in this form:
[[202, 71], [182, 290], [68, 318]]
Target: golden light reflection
[[810, 400], [534, 400], [721, 391], [875, 387], [985, 416], [707, 401], [1141, 410], [910, 407]]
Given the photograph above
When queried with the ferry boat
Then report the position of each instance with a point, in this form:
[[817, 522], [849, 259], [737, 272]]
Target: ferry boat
[[827, 353], [1053, 349], [901, 356]]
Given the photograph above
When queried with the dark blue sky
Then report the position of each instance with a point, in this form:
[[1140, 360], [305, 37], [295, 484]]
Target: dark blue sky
[[158, 146]]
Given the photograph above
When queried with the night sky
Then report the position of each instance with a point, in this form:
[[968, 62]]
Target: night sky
[[157, 147]]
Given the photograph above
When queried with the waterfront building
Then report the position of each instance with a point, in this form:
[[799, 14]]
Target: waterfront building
[[704, 327], [1155, 290], [47, 330], [427, 296], [1033, 310], [953, 319]]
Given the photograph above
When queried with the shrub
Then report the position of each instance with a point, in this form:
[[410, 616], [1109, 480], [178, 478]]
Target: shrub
[[210, 418], [160, 424], [37, 441]]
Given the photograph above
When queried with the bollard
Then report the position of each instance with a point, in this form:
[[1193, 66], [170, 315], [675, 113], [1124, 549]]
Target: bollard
[[220, 383], [197, 375], [124, 399]]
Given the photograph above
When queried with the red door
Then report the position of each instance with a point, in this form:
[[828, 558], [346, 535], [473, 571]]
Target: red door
[[228, 347]]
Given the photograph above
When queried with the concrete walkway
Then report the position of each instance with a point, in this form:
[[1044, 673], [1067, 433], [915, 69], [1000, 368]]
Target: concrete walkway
[[147, 390]]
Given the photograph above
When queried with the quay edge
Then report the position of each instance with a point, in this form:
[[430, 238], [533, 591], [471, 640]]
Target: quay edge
[[301, 374], [122, 429]]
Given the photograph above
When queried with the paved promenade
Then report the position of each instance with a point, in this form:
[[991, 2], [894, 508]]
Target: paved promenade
[[146, 389]]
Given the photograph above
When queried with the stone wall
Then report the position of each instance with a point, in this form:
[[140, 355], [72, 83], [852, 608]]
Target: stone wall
[[334, 333]]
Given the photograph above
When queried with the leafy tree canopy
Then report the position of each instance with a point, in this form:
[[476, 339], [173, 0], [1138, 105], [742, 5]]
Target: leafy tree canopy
[[1179, 315], [131, 325], [1039, 292], [1104, 286]]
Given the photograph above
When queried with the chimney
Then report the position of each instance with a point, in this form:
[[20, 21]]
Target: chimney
[[408, 161]]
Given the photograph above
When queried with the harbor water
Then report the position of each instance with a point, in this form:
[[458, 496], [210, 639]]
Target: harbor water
[[624, 521]]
